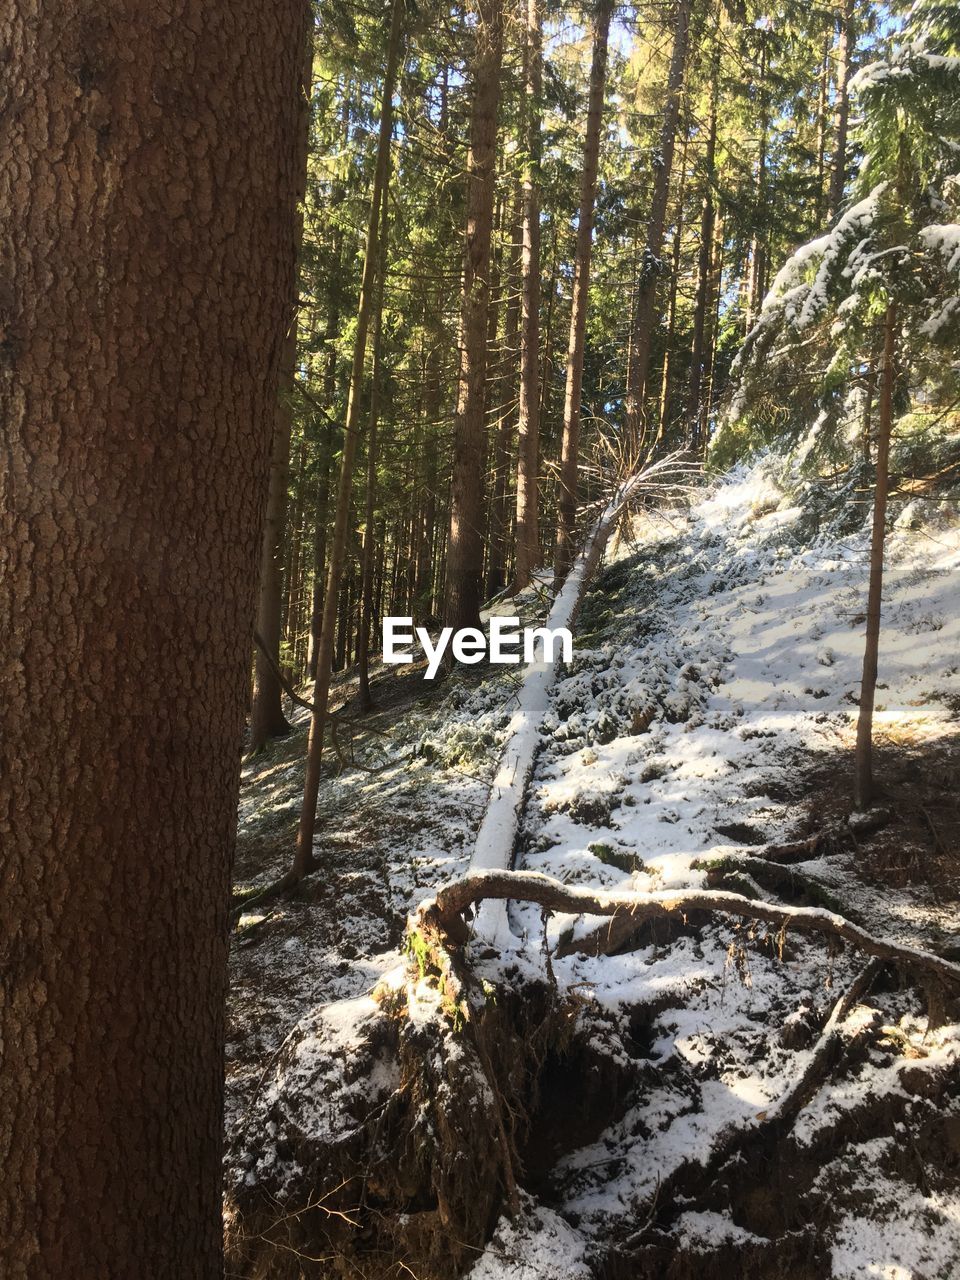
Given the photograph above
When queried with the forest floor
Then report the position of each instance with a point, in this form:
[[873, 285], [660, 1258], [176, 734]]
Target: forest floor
[[702, 735]]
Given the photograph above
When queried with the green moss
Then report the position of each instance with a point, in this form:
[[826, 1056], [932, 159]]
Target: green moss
[[622, 859]]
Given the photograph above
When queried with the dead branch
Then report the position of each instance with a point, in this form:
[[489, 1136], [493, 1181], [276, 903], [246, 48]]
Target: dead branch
[[446, 909]]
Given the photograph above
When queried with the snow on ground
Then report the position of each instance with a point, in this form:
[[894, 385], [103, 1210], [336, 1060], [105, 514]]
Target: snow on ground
[[736, 652], [728, 659], [717, 665]]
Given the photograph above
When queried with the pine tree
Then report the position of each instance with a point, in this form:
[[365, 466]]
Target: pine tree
[[148, 231]]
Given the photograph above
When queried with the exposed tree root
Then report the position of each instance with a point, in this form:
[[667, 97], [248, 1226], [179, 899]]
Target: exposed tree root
[[444, 913], [400, 1128], [419, 1172]]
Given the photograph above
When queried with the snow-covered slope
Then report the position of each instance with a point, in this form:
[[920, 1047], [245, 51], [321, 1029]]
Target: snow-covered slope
[[720, 679]]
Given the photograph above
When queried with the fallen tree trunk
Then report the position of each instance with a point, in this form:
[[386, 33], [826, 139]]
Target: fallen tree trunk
[[497, 836], [445, 910]]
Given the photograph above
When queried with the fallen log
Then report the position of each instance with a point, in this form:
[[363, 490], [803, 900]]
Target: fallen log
[[496, 839], [444, 912]]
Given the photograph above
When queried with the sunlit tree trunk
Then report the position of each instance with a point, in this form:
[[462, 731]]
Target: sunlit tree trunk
[[863, 761], [645, 297], [845, 49], [528, 453], [303, 857], [500, 509], [570, 448], [370, 495], [266, 712], [464, 560], [698, 356]]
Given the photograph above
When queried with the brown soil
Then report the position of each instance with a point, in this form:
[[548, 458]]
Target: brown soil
[[918, 783]]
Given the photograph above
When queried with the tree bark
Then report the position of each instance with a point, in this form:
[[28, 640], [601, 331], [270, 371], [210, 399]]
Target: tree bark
[[712, 337], [863, 759], [464, 567], [266, 711], [148, 239], [643, 309], [678, 228], [528, 454], [704, 264], [303, 856], [570, 448], [757, 268], [370, 495], [845, 49], [500, 506]]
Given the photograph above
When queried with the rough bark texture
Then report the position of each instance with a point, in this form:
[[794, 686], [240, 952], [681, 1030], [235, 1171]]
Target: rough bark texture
[[570, 451], [863, 766], [303, 857], [464, 572], [643, 311], [528, 455], [147, 178]]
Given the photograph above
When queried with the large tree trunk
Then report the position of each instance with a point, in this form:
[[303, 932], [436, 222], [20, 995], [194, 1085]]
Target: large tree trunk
[[148, 210], [846, 45], [528, 455], [570, 449], [464, 570], [643, 307], [303, 857], [863, 761], [266, 711]]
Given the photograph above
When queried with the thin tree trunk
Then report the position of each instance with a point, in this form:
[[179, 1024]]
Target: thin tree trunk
[[498, 528], [863, 760], [643, 311], [425, 558], [713, 331], [704, 264], [528, 454], [464, 560], [845, 50], [266, 710], [820, 198], [867, 415], [757, 265], [370, 497], [570, 448], [303, 857], [138, 404], [331, 332], [672, 305]]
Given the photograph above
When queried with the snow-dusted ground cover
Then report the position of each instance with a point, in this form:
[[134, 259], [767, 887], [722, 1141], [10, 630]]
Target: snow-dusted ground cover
[[728, 662], [712, 692]]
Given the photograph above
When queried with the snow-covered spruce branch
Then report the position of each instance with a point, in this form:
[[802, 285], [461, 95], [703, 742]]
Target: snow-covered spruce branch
[[445, 910], [498, 831]]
